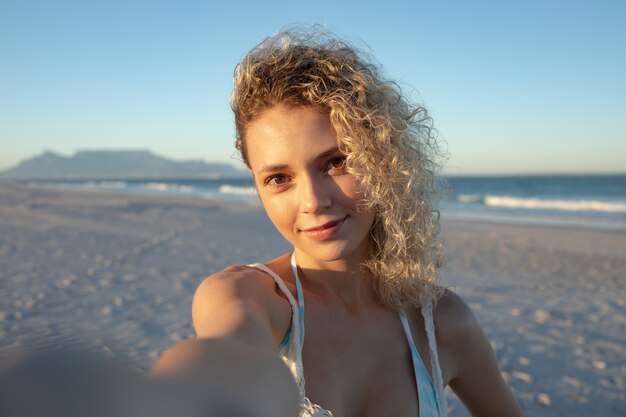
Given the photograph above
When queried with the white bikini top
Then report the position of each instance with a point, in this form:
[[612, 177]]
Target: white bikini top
[[432, 400]]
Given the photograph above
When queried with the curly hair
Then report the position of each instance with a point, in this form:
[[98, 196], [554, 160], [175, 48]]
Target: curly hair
[[390, 147]]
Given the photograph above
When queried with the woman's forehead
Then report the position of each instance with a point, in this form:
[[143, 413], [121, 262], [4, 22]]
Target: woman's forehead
[[284, 115], [288, 132]]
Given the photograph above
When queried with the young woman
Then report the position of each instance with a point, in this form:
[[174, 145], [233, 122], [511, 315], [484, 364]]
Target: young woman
[[344, 167]]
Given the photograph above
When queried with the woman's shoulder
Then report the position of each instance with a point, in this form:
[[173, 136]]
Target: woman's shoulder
[[449, 306], [236, 283], [247, 280], [458, 333], [454, 320], [244, 289]]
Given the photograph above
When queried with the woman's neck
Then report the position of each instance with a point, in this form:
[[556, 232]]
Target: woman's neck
[[343, 279]]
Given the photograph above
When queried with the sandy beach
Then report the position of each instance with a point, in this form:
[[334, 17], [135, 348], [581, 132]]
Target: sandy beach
[[116, 273]]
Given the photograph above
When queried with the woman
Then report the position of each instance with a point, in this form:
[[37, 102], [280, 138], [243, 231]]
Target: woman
[[343, 166]]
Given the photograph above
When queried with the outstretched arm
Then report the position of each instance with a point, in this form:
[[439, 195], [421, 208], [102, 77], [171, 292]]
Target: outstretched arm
[[231, 369], [233, 362]]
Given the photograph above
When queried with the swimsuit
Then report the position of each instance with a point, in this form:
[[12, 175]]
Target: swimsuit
[[432, 402]]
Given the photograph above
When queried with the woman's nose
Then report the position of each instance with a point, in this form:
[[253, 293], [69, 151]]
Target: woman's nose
[[314, 195]]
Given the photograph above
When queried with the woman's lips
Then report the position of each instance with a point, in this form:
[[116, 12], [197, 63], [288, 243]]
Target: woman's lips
[[324, 232]]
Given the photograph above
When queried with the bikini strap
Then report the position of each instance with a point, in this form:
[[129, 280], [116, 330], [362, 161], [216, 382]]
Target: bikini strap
[[300, 295], [427, 313], [296, 321]]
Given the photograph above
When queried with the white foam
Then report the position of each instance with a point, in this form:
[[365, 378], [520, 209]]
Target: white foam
[[157, 186], [187, 188], [566, 205], [469, 198], [112, 184], [165, 187], [231, 189]]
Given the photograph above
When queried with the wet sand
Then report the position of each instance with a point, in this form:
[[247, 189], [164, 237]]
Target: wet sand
[[115, 273]]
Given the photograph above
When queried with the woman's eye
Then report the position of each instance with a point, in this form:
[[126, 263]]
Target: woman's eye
[[275, 180], [336, 163]]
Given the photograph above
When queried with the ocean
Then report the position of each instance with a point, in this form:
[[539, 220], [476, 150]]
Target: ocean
[[588, 201], [579, 201]]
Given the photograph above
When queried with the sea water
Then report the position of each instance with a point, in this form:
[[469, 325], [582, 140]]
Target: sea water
[[226, 189], [588, 201]]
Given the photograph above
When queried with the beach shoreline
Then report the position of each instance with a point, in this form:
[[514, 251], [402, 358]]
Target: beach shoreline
[[115, 273]]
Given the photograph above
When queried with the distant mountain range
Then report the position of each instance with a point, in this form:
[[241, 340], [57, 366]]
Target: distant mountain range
[[127, 164]]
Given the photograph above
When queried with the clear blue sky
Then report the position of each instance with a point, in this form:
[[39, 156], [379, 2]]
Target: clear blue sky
[[514, 87]]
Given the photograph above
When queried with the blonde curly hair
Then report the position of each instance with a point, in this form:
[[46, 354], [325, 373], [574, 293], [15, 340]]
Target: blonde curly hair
[[390, 147]]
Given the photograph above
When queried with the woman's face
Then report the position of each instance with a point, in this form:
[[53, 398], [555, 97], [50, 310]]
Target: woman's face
[[302, 182]]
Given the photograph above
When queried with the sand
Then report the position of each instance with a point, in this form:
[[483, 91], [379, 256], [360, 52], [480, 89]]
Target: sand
[[115, 273]]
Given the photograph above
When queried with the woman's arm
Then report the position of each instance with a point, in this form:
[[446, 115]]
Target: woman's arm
[[475, 376], [233, 361], [232, 369]]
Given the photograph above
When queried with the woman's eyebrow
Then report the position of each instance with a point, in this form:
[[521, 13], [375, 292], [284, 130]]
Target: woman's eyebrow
[[280, 167], [327, 153], [272, 168]]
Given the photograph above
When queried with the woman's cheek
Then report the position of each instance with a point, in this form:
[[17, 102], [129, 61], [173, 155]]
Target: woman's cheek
[[349, 190], [278, 210]]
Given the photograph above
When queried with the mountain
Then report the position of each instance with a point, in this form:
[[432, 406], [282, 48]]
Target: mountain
[[115, 164]]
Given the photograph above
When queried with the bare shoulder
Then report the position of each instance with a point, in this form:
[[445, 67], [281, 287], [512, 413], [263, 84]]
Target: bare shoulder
[[458, 334], [234, 283], [454, 320], [239, 293]]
